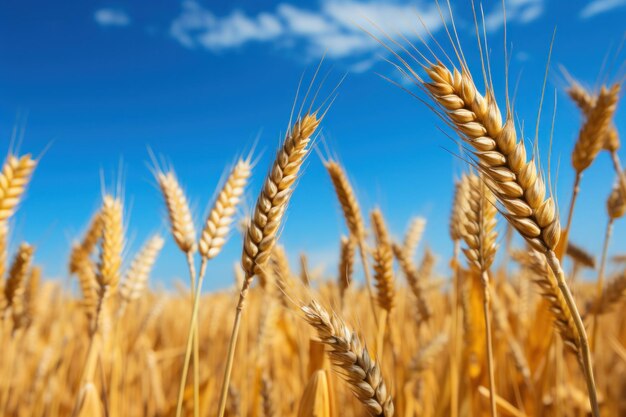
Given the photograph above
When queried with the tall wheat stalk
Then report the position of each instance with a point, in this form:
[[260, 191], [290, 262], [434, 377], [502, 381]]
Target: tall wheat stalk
[[266, 219]]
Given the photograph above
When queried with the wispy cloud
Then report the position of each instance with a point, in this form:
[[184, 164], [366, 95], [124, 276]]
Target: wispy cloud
[[111, 17], [332, 29], [517, 11], [597, 7]]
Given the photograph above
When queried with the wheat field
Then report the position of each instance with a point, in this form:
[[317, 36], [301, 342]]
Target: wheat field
[[497, 327]]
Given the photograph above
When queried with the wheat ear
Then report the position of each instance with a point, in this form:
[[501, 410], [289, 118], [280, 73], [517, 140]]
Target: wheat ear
[[413, 235], [346, 266], [136, 277], [580, 255], [351, 360], [354, 220], [266, 219], [589, 144], [383, 276], [220, 218], [15, 176], [17, 279], [480, 237], [416, 276], [514, 181]]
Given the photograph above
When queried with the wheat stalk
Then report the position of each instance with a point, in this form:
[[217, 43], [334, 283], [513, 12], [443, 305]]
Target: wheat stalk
[[266, 219], [351, 360]]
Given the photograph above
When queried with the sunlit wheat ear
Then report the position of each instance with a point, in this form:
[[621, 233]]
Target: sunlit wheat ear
[[14, 178], [591, 138], [280, 270], [87, 245], [269, 407], [459, 206], [346, 265], [347, 199], [181, 221], [16, 282], [112, 245], [479, 225], [135, 279], [413, 235], [544, 278], [427, 354], [31, 297], [612, 293], [500, 156], [274, 197], [616, 204], [580, 255], [383, 275], [381, 233], [88, 283], [416, 276], [220, 218], [351, 360], [586, 102]]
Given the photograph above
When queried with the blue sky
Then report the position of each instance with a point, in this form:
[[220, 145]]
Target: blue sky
[[198, 81]]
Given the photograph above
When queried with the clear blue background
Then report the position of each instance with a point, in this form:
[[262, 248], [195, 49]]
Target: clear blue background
[[99, 82]]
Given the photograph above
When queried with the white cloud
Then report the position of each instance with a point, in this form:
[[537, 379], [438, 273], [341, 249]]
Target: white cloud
[[333, 29], [600, 6], [517, 11], [111, 17]]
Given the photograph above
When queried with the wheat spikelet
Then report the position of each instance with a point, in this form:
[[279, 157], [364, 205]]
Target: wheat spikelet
[[427, 354], [88, 283], [181, 221], [591, 136], [381, 233], [586, 103], [544, 278], [31, 302], [416, 277], [612, 293], [87, 245], [383, 275], [220, 218], [616, 203], [274, 197], [413, 235], [304, 270], [580, 255], [16, 281], [112, 245], [500, 155], [269, 409], [479, 225], [347, 199], [459, 206], [137, 275], [14, 178], [281, 273], [346, 265], [351, 360]]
